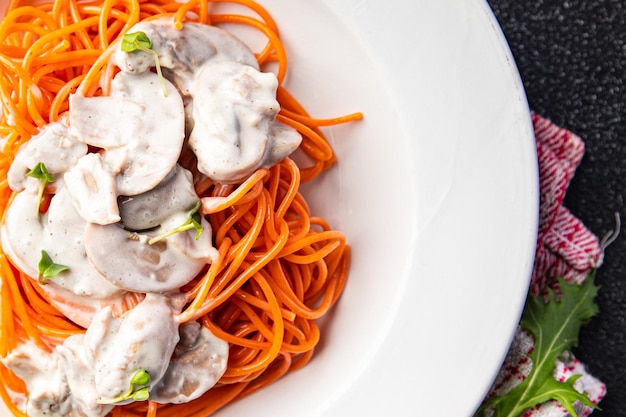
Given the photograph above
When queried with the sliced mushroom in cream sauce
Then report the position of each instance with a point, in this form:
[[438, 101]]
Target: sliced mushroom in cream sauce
[[127, 260], [60, 232], [60, 382], [78, 367], [182, 51], [231, 105], [92, 187], [233, 123], [48, 396], [150, 209], [144, 338], [89, 373], [140, 119], [22, 232], [198, 362], [54, 146]]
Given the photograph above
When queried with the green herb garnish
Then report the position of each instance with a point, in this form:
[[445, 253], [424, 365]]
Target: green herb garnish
[[139, 41], [47, 267], [40, 172], [138, 389], [555, 326], [136, 40], [192, 222]]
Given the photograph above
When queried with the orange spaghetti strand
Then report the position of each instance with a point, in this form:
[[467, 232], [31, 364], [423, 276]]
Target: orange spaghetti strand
[[279, 267]]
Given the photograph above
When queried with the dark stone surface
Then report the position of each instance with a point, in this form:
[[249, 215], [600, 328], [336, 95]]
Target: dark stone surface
[[572, 58]]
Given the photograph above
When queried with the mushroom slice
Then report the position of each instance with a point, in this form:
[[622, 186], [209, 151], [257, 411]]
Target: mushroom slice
[[232, 119], [283, 141], [189, 243], [154, 152], [22, 232], [105, 122], [54, 146], [199, 361], [60, 382], [143, 338], [92, 187], [126, 260], [77, 367], [140, 118], [65, 241], [182, 51], [48, 393], [60, 233], [175, 194]]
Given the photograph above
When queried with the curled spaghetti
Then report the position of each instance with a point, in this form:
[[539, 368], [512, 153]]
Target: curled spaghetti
[[279, 268]]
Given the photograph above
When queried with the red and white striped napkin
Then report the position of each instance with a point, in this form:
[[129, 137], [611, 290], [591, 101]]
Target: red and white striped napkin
[[566, 248]]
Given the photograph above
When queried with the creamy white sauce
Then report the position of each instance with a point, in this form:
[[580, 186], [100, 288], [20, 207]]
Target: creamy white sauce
[[150, 209], [142, 128], [143, 338], [59, 382], [126, 259], [183, 51], [91, 184], [60, 232], [198, 349], [55, 146], [118, 185], [77, 367], [232, 140]]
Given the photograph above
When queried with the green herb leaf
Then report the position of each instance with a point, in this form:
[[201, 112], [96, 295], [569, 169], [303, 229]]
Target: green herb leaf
[[40, 172], [137, 391], [47, 267], [141, 395], [195, 219], [139, 41], [141, 377], [136, 41], [555, 326], [192, 222]]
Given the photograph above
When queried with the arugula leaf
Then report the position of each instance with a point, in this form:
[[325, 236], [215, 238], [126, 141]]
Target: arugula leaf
[[47, 267], [139, 41], [192, 222], [555, 326], [40, 172], [138, 389]]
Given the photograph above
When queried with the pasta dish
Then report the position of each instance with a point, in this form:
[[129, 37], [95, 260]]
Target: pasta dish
[[158, 257]]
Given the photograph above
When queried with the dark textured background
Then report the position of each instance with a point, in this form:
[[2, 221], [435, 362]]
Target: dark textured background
[[572, 58]]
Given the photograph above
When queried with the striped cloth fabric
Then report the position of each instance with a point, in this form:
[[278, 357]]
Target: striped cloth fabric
[[566, 248]]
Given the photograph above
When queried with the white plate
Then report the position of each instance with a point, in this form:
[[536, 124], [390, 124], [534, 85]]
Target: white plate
[[437, 192]]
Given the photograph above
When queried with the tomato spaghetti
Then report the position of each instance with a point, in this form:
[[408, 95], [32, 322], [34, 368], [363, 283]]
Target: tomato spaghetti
[[279, 267]]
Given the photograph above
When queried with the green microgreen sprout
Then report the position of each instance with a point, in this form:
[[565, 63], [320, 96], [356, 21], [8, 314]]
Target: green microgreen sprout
[[139, 41], [192, 222], [138, 389], [49, 269], [40, 172]]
